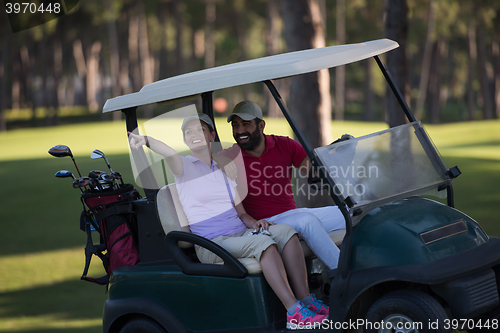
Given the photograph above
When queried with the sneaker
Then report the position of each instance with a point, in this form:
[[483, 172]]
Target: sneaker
[[318, 306], [303, 318]]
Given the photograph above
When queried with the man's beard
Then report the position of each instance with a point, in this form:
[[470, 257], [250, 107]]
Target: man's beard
[[253, 141]]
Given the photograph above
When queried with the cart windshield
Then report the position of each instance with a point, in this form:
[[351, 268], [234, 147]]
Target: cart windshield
[[385, 166], [150, 169]]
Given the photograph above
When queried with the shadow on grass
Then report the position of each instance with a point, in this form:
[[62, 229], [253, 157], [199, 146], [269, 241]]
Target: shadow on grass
[[41, 212], [61, 304]]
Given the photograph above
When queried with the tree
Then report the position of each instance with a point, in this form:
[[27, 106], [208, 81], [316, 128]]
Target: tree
[[3, 80], [426, 62], [340, 70], [209, 33], [310, 101], [114, 52], [396, 28], [273, 40]]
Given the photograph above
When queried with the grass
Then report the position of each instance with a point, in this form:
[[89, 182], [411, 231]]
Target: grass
[[41, 254]]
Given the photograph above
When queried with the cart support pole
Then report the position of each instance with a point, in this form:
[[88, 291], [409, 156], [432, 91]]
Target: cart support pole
[[395, 90], [146, 177], [292, 123], [207, 106]]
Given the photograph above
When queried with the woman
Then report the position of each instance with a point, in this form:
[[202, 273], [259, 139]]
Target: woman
[[214, 212]]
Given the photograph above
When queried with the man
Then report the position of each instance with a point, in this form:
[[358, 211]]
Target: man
[[269, 162]]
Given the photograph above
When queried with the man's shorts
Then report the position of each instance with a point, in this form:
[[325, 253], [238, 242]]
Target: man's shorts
[[245, 245]]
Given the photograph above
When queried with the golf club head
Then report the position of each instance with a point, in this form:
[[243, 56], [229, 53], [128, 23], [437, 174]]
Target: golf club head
[[96, 173], [116, 175], [64, 174], [60, 151], [94, 184], [99, 154], [76, 183], [106, 177]]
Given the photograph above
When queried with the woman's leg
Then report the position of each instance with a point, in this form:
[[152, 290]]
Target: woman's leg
[[295, 265], [275, 274], [264, 249]]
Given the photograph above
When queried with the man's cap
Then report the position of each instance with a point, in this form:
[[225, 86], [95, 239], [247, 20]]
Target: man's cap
[[246, 110], [201, 116]]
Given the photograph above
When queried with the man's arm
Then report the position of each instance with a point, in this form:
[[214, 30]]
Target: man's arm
[[305, 166]]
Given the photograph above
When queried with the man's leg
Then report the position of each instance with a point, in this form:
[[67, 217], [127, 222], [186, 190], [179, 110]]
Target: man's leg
[[330, 216], [314, 234]]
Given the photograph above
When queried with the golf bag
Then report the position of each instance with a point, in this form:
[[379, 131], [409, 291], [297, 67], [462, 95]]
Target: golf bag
[[111, 215]]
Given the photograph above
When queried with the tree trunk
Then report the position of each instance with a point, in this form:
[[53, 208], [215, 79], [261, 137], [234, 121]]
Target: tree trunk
[[16, 80], [340, 70], [488, 100], [495, 50], [81, 66], [273, 39], [147, 66], [396, 28], [310, 99], [45, 63], [435, 78], [426, 62], [92, 74], [3, 82], [133, 49], [179, 58], [471, 105], [163, 18], [58, 72], [241, 32], [210, 14], [145, 58], [369, 114], [27, 68], [114, 55]]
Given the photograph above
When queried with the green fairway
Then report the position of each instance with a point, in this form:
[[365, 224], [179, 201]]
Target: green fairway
[[41, 255]]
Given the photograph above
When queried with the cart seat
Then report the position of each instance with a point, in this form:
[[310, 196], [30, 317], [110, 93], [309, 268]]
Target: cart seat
[[172, 218]]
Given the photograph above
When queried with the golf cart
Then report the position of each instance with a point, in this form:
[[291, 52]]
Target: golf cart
[[407, 263]]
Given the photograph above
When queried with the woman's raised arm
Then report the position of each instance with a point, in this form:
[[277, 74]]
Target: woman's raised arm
[[174, 161]]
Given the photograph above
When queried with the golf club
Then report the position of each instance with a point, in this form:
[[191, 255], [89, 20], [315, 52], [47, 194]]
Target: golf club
[[104, 178], [99, 154], [82, 182], [116, 175], [62, 151], [94, 182], [66, 174]]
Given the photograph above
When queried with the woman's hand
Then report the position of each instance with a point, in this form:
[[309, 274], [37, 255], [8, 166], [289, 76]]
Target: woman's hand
[[263, 223], [136, 141]]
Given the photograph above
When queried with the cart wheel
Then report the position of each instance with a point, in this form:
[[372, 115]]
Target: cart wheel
[[142, 325], [406, 311]]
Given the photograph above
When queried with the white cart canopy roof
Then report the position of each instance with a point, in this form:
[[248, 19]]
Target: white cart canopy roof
[[256, 70]]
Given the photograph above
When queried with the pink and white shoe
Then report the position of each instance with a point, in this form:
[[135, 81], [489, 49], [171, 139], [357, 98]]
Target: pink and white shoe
[[318, 306], [303, 318]]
